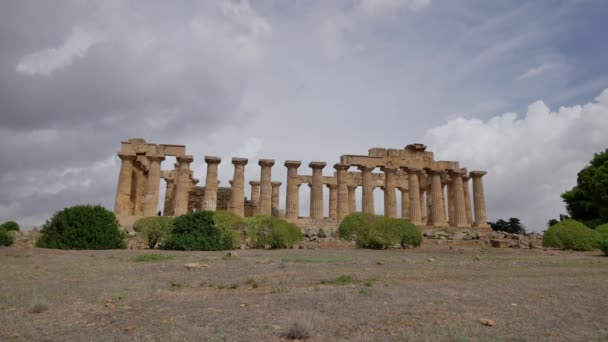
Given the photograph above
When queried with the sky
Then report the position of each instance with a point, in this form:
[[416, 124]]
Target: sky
[[516, 88]]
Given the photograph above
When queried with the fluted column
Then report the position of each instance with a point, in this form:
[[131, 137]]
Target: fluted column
[[405, 203], [368, 190], [316, 190], [255, 193], [467, 199], [479, 199], [414, 189], [237, 204], [122, 204], [342, 191], [451, 204], [182, 185], [352, 198], [460, 213], [390, 198], [210, 198], [265, 205], [141, 181], [153, 186], [443, 204], [437, 218], [424, 204], [333, 201], [275, 198], [429, 204], [292, 200]]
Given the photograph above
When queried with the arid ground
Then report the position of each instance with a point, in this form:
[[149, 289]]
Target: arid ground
[[426, 294]]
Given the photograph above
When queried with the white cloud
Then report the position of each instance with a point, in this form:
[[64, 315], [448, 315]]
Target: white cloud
[[44, 62], [374, 6], [530, 160], [533, 72]]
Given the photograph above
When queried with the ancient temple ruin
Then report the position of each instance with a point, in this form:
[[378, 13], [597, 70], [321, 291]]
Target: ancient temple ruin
[[433, 193]]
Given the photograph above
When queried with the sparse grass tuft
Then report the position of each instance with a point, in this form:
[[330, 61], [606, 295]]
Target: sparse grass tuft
[[252, 282], [38, 308], [341, 280], [276, 290], [298, 330], [173, 285], [221, 286], [369, 282], [152, 257], [234, 286]]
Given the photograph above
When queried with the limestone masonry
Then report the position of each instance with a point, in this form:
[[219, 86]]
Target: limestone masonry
[[433, 193]]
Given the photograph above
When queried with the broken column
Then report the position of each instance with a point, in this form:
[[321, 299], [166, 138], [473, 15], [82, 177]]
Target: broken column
[[255, 193], [265, 205], [210, 198], [316, 190], [333, 201], [276, 187], [352, 198], [237, 204]]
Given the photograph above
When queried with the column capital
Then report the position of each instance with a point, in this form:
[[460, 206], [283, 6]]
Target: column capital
[[317, 165], [185, 159], [239, 161], [433, 172], [254, 183], [212, 160], [341, 166], [457, 173], [274, 184], [155, 157], [475, 174], [363, 168], [412, 170], [352, 187], [125, 156], [266, 162], [293, 163], [388, 169], [331, 186]]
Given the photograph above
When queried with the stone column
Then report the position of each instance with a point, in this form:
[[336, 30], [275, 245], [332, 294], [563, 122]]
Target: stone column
[[460, 214], [405, 203], [141, 181], [342, 191], [153, 186], [316, 190], [451, 204], [275, 198], [265, 205], [390, 198], [437, 218], [292, 200], [170, 192], [210, 198], [255, 193], [182, 185], [467, 199], [237, 202], [414, 189], [333, 201], [479, 200], [424, 204], [352, 198], [368, 190], [429, 204], [122, 204], [443, 206]]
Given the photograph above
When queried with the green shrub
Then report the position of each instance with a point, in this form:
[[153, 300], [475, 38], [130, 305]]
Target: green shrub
[[231, 223], [9, 225], [603, 244], [6, 239], [82, 227], [387, 232], [197, 231], [154, 229], [602, 229], [570, 234], [264, 230], [354, 224]]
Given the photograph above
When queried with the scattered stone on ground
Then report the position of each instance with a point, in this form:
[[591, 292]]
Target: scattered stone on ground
[[487, 322]]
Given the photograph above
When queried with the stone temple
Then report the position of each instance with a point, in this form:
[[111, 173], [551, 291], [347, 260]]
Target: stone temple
[[433, 193]]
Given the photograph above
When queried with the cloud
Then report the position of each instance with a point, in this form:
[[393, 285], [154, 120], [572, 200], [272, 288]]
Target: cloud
[[530, 160], [536, 71]]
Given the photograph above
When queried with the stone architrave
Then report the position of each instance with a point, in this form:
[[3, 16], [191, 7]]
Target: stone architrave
[[352, 198], [122, 205], [292, 199], [368, 189], [275, 198], [153, 186], [182, 185], [479, 200], [414, 189], [265, 205], [342, 191], [333, 201], [467, 199], [437, 218], [255, 193], [316, 190], [210, 197], [390, 199], [460, 214], [237, 203]]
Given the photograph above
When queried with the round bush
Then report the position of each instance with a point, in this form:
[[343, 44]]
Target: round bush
[[197, 231], [386, 232], [354, 224], [82, 227], [570, 234], [602, 229], [603, 244], [6, 239], [9, 225], [264, 230], [154, 229], [231, 223]]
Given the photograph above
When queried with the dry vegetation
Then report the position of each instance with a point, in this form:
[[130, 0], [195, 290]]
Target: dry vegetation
[[427, 294]]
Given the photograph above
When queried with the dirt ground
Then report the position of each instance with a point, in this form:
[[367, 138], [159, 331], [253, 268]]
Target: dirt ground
[[433, 293]]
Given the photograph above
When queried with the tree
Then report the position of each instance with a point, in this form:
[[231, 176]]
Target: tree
[[512, 226], [553, 222], [588, 200]]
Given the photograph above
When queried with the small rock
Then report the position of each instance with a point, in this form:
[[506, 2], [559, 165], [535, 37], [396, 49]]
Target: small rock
[[276, 327], [322, 233], [379, 263], [194, 265], [231, 254], [430, 260], [487, 322], [129, 328], [477, 258]]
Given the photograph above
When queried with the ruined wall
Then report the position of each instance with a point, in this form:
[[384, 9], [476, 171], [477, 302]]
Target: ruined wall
[[197, 193]]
